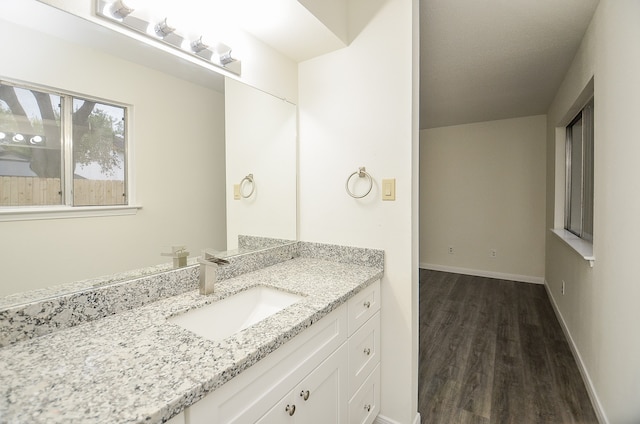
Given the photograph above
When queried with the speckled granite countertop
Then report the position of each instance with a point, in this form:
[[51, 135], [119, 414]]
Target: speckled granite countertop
[[135, 367]]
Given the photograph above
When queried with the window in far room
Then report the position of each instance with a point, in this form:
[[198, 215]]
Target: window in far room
[[579, 174]]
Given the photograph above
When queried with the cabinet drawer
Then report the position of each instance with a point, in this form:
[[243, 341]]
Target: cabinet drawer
[[365, 404], [364, 352], [363, 305], [248, 396]]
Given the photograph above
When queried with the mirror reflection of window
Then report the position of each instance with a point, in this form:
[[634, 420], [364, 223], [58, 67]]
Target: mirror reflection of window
[[98, 154], [33, 146], [30, 147]]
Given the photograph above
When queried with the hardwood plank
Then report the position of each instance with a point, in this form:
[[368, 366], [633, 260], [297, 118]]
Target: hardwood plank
[[438, 401], [492, 351], [466, 417], [508, 377], [477, 381]]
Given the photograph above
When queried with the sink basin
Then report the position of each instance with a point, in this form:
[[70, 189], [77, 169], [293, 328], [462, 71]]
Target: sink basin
[[225, 317]]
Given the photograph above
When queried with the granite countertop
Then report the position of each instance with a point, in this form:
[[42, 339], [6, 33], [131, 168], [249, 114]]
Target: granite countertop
[[136, 367]]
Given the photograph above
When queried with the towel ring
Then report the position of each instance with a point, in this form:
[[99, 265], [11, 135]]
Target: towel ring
[[361, 173], [248, 179]]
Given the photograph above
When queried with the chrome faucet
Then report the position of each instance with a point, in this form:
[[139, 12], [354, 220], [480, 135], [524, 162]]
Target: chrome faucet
[[179, 254], [209, 271]]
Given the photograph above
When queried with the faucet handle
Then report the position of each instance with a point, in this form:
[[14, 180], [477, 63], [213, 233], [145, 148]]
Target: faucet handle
[[209, 271], [210, 257], [215, 260]]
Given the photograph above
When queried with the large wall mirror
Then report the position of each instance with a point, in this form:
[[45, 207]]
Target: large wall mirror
[[260, 133], [184, 165]]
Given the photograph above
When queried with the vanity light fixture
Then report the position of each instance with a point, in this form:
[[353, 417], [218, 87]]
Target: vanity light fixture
[[197, 46], [226, 58], [117, 12], [20, 138], [162, 29], [36, 139]]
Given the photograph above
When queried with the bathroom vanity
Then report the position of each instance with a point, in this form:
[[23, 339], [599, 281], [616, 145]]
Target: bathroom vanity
[[320, 376], [316, 360]]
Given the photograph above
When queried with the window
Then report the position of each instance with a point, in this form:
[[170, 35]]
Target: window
[[60, 149], [579, 177]]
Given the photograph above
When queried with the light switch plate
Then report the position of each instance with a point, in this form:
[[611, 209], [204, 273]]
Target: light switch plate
[[236, 192], [389, 189]]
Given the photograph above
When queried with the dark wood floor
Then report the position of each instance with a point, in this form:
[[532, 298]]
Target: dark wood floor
[[492, 351]]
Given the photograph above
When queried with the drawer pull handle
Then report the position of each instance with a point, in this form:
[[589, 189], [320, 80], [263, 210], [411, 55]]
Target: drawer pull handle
[[367, 408], [367, 351], [304, 394], [367, 304], [291, 409]]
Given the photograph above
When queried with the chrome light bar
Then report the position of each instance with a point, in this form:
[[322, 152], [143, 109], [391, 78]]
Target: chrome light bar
[[119, 13]]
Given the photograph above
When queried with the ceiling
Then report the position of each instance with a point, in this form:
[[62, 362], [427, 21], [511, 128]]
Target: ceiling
[[480, 60], [495, 59]]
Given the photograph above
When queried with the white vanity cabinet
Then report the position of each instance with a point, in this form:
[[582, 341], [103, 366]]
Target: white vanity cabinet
[[334, 372]]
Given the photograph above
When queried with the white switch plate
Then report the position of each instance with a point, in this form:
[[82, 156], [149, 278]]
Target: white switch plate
[[236, 192], [389, 189]]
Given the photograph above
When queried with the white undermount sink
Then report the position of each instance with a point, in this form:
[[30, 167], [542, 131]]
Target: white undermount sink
[[225, 317]]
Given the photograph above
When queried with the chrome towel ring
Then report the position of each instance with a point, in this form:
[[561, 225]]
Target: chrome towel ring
[[249, 180], [361, 173]]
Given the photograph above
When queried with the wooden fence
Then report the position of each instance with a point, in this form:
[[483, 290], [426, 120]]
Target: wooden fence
[[34, 191]]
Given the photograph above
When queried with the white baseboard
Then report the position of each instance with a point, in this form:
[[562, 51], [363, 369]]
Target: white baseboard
[[595, 401], [482, 273], [381, 419]]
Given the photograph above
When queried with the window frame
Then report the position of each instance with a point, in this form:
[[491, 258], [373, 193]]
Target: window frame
[[586, 115], [66, 209]]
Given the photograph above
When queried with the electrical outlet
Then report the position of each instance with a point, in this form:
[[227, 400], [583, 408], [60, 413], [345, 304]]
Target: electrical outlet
[[563, 287], [493, 253], [451, 250]]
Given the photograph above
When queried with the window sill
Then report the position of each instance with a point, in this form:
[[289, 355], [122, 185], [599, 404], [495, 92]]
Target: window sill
[[580, 246], [62, 212]]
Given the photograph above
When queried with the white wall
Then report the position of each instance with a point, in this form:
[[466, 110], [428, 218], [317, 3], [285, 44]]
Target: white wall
[[357, 108], [600, 305], [178, 144], [482, 187]]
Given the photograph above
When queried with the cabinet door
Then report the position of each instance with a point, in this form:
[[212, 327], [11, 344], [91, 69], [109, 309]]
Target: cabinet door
[[283, 412], [323, 395], [320, 398]]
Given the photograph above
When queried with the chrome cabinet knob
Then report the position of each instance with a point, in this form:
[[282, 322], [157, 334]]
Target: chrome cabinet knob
[[290, 409], [304, 394], [367, 408], [367, 304], [367, 351]]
